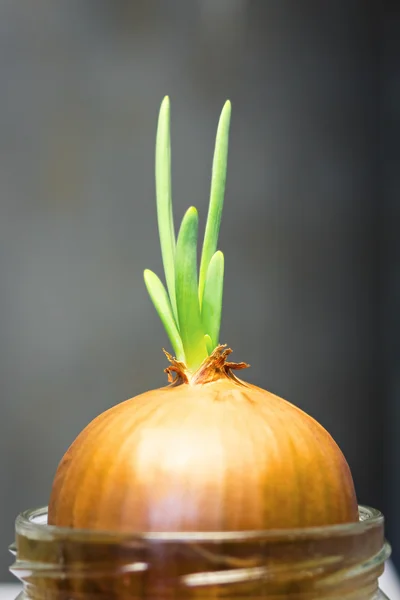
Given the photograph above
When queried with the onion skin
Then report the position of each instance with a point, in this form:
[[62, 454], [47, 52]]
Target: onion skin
[[217, 455]]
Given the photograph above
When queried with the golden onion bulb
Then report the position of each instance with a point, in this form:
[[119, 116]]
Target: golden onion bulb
[[207, 453]]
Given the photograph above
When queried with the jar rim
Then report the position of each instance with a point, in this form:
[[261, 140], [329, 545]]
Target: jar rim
[[320, 559], [33, 524]]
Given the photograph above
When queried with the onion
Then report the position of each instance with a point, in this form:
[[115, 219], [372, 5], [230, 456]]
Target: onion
[[209, 452]]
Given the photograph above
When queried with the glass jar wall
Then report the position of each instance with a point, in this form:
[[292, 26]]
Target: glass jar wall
[[336, 562]]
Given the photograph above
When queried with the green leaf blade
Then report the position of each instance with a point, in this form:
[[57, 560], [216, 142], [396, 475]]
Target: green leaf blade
[[164, 199], [212, 299], [159, 297], [189, 318], [209, 344], [217, 192]]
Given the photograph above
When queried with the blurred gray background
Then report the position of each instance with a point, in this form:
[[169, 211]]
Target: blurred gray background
[[309, 229]]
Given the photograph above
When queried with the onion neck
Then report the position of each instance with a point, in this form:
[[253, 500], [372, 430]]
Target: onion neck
[[214, 367]]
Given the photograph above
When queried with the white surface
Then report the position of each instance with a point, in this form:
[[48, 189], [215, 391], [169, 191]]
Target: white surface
[[389, 584], [9, 591]]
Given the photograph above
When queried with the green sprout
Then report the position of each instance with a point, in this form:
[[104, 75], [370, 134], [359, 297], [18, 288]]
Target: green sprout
[[190, 306]]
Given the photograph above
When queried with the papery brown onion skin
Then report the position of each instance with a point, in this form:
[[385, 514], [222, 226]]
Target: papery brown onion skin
[[219, 456]]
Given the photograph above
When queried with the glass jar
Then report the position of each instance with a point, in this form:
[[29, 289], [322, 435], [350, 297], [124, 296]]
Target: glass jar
[[341, 562]]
